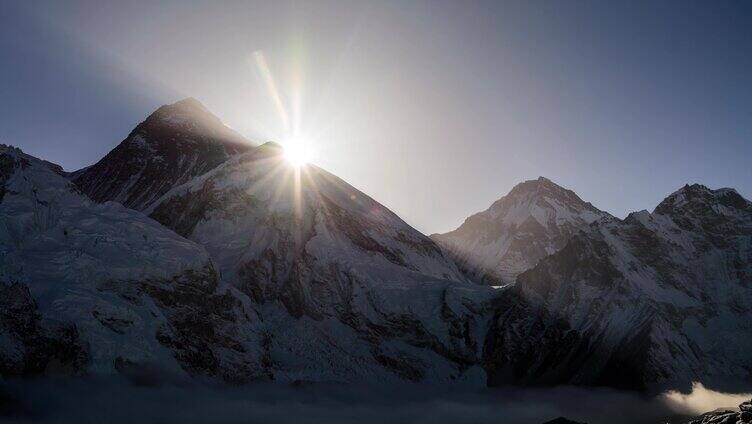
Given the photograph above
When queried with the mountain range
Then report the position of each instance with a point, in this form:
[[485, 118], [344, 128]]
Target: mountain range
[[190, 251]]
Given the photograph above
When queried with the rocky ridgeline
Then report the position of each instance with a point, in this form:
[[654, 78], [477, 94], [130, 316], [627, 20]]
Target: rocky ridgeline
[[742, 416], [226, 262], [562, 420], [536, 219]]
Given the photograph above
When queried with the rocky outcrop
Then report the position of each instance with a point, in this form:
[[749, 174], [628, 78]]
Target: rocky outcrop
[[30, 346], [742, 416], [525, 345], [649, 293]]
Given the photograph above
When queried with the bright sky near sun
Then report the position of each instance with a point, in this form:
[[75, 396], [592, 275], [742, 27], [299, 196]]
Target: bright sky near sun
[[433, 108]]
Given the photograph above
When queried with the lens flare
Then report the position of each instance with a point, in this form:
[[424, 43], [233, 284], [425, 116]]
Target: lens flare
[[298, 151]]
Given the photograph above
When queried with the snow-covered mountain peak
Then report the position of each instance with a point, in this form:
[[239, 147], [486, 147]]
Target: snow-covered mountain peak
[[697, 195], [698, 208], [659, 289], [534, 195], [260, 192], [535, 219], [174, 144], [266, 270], [180, 125], [191, 115]]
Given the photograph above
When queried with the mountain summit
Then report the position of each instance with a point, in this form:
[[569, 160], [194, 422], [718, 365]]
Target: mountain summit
[[698, 207], [657, 297], [534, 220], [251, 268], [174, 144]]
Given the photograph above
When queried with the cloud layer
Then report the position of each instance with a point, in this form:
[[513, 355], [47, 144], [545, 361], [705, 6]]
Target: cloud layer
[[118, 401]]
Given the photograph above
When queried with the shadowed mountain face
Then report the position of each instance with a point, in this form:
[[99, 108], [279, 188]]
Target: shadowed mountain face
[[99, 288], [306, 279], [349, 281], [250, 268], [650, 301], [658, 298], [534, 220], [173, 145]]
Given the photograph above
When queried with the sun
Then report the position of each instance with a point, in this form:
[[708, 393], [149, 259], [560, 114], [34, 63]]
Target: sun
[[298, 151]]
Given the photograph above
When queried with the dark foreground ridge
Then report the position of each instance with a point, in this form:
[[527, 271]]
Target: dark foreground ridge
[[562, 420], [742, 416]]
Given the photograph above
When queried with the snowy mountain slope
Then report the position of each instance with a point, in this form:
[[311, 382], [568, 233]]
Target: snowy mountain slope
[[534, 220], [174, 144], [320, 258], [314, 281], [248, 268], [101, 288], [656, 299]]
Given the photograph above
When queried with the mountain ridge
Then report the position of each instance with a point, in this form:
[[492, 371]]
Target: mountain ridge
[[255, 269], [532, 221], [685, 268], [172, 145]]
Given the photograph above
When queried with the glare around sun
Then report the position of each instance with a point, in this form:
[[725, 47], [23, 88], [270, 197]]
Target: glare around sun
[[298, 152]]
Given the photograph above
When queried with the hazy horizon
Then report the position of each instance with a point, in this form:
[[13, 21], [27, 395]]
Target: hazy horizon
[[434, 109]]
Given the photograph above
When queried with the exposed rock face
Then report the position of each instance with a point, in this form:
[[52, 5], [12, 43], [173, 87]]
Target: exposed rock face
[[525, 345], [249, 268], [29, 346], [534, 220], [742, 416], [319, 282], [173, 145], [656, 293], [320, 258], [101, 288]]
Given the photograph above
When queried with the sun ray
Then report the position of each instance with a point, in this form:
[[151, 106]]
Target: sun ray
[[266, 74], [298, 151]]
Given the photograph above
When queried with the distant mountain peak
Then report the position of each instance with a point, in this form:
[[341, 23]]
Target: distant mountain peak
[[694, 197], [530, 196], [540, 181], [542, 187], [535, 219]]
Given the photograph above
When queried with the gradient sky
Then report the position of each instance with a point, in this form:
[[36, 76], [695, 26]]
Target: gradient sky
[[435, 108]]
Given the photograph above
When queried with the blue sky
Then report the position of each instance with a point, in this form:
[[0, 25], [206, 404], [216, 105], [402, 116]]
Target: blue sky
[[435, 108]]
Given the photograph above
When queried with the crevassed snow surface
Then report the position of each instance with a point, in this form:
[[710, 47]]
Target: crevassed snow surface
[[67, 250]]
